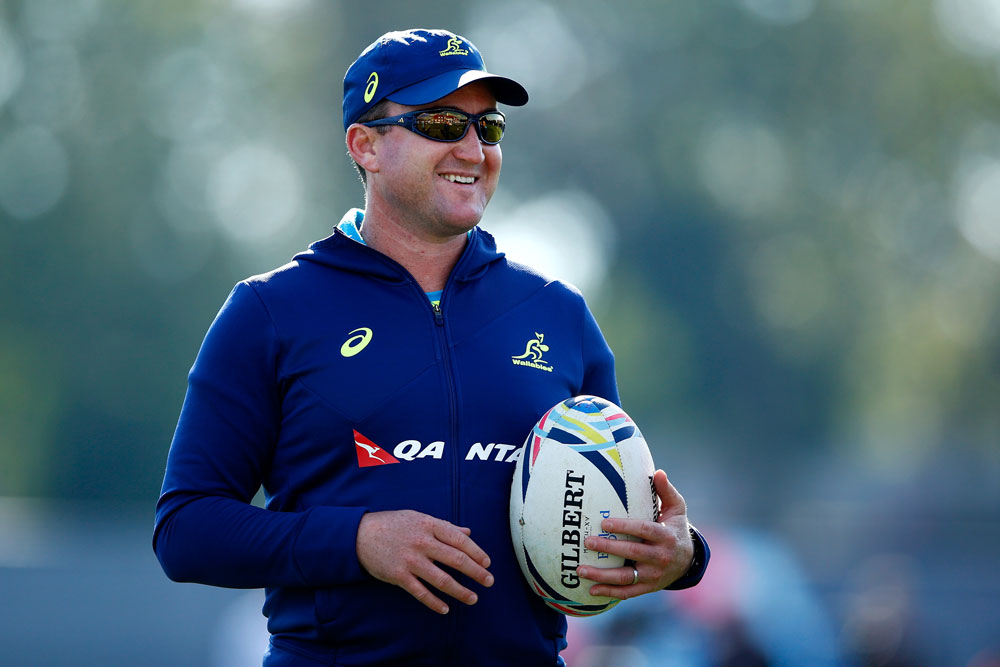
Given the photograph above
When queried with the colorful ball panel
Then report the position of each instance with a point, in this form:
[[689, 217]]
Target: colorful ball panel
[[584, 461]]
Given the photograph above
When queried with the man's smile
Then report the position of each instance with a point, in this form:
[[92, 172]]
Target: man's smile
[[456, 178]]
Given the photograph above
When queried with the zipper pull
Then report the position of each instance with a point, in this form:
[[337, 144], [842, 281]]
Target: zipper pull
[[438, 316]]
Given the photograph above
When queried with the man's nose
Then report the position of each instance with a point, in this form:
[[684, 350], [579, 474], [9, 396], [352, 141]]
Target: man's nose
[[469, 148]]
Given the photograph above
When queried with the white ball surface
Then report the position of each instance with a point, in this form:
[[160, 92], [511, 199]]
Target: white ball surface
[[584, 461]]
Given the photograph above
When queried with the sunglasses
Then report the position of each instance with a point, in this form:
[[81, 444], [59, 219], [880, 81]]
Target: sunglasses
[[448, 124]]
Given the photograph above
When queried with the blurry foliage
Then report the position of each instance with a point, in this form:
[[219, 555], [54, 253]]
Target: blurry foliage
[[785, 178]]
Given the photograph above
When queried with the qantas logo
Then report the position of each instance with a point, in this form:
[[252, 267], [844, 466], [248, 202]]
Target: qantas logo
[[370, 454]]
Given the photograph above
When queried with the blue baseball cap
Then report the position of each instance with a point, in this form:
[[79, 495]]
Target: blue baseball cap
[[415, 67]]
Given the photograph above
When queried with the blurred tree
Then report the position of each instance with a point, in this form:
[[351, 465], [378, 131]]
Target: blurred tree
[[805, 252]]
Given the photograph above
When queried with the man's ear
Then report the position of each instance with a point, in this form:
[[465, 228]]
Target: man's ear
[[361, 145]]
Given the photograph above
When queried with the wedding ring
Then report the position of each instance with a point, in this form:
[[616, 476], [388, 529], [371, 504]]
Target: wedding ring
[[635, 575]]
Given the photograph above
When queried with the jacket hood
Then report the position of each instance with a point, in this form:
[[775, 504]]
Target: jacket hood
[[342, 252]]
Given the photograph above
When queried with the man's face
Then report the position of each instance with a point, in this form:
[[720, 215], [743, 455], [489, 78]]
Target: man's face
[[418, 179]]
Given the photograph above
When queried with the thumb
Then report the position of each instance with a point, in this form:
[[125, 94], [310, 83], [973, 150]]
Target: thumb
[[671, 501]]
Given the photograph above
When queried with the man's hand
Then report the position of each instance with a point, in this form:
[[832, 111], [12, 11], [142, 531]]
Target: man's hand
[[404, 548], [663, 556]]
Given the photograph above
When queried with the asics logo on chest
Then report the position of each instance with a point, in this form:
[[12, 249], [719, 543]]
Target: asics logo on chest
[[357, 341]]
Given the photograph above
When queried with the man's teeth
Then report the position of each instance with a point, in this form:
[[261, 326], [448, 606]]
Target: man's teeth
[[455, 178]]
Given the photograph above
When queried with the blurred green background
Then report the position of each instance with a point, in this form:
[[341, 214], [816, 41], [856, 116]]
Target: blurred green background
[[784, 213]]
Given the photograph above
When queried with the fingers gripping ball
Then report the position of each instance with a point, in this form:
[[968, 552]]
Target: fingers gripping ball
[[584, 461]]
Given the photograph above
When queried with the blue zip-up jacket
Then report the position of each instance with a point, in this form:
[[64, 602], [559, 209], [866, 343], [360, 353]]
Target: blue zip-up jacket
[[334, 383]]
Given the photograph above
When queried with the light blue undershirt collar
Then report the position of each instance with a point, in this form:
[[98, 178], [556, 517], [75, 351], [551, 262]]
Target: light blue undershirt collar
[[350, 224]]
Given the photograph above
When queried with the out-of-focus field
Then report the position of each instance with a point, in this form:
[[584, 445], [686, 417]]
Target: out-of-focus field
[[784, 214]]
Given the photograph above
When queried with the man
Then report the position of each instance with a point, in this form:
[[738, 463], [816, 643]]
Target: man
[[369, 387]]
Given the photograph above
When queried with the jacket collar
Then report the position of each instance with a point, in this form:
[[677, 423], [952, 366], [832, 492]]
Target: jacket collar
[[340, 250]]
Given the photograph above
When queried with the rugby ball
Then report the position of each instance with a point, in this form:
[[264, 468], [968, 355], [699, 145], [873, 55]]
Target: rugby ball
[[584, 461]]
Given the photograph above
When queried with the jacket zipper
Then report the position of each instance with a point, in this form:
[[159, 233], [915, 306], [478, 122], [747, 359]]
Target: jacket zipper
[[442, 336], [452, 406], [449, 372]]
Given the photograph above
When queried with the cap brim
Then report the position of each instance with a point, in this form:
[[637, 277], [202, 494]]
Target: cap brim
[[507, 91]]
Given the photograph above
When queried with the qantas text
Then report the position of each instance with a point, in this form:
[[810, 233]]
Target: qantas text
[[409, 450]]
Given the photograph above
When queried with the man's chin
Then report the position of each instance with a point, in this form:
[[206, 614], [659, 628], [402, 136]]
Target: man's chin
[[462, 223]]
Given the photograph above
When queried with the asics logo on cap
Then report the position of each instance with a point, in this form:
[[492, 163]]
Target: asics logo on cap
[[371, 87]]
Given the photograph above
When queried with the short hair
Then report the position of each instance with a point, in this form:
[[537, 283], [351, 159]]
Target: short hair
[[375, 113]]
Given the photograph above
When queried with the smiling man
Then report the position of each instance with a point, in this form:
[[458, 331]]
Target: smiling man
[[372, 387]]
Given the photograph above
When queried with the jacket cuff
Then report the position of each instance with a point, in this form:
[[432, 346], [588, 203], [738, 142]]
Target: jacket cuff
[[698, 564], [326, 550]]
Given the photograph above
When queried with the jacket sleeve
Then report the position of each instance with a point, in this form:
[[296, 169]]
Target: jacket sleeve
[[206, 530], [698, 565]]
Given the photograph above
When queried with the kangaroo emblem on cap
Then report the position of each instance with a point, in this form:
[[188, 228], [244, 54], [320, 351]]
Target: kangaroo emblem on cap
[[454, 48]]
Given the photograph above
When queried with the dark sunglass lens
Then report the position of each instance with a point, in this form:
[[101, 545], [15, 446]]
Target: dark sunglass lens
[[491, 128], [441, 125]]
